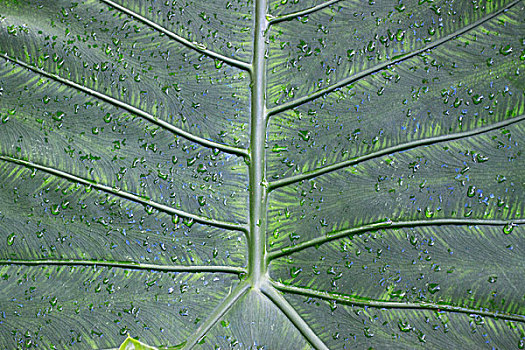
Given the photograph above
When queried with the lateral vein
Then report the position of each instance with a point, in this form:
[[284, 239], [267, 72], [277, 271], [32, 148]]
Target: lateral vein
[[220, 311], [387, 224], [125, 195], [403, 147], [127, 265], [377, 68], [394, 304], [292, 314], [129, 108], [192, 45], [290, 16]]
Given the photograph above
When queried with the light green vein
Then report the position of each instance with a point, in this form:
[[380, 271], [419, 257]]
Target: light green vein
[[403, 147], [379, 67], [273, 20], [126, 195], [292, 314], [396, 305], [388, 224], [257, 167], [129, 108], [199, 47], [127, 265], [226, 305]]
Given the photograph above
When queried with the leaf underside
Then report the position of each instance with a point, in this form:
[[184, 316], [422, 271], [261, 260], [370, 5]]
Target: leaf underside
[[288, 174]]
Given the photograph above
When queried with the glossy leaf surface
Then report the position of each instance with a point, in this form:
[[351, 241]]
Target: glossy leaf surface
[[262, 174]]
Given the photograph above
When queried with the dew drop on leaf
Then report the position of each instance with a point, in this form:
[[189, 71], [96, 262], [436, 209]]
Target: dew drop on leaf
[[404, 326], [507, 229], [476, 99], [368, 332], [11, 239], [433, 288], [505, 50]]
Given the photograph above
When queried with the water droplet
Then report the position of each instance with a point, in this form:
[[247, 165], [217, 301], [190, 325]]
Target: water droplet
[[400, 35], [505, 50], [163, 176], [368, 332], [397, 293], [201, 168], [401, 7], [492, 279], [199, 45], [191, 161], [333, 305], [294, 271], [350, 54], [305, 134], [189, 222], [11, 239], [507, 229], [500, 178], [433, 288], [277, 148], [55, 209], [404, 326], [58, 116], [476, 99]]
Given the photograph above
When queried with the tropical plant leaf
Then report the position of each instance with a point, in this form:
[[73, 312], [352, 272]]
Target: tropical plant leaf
[[262, 174], [133, 344]]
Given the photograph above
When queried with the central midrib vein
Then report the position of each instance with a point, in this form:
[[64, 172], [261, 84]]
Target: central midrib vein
[[257, 269], [257, 167]]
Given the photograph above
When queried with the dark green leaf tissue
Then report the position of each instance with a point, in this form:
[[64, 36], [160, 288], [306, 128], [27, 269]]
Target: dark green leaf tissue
[[262, 174]]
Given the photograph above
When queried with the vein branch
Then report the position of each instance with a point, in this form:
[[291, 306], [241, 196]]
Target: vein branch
[[126, 195], [331, 236], [276, 297], [129, 108], [220, 311], [346, 299], [403, 147], [290, 16], [379, 67], [127, 265], [192, 45]]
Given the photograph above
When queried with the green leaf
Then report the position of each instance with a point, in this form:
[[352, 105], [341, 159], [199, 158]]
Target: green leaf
[[132, 344], [262, 174]]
